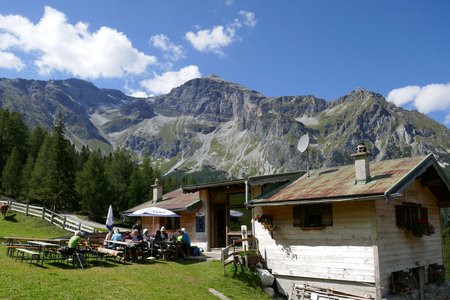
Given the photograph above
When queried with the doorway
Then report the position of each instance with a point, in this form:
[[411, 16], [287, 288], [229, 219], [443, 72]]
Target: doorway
[[220, 225]]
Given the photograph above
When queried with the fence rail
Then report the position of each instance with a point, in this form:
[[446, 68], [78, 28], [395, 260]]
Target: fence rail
[[46, 214]]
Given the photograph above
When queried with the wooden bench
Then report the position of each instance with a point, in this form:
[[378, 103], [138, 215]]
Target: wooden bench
[[109, 252], [31, 254]]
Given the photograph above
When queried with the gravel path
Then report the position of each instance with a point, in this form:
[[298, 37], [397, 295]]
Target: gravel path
[[76, 219]]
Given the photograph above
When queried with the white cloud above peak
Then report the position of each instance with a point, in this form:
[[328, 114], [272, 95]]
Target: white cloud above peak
[[60, 46], [427, 99], [171, 51], [213, 40], [164, 83]]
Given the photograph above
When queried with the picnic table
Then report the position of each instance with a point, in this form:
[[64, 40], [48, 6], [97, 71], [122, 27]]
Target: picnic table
[[45, 249], [14, 242]]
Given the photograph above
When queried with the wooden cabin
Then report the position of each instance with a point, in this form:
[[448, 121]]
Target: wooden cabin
[[368, 230], [212, 213]]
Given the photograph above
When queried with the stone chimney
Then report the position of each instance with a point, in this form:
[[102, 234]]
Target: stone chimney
[[362, 169], [157, 190]]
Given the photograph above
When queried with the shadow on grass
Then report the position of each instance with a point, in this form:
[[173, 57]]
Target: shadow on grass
[[189, 261], [11, 218]]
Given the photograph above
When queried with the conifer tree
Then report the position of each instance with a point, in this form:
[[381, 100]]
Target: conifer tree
[[92, 186], [137, 191], [27, 172], [53, 177], [119, 169], [11, 175], [35, 140], [13, 133]]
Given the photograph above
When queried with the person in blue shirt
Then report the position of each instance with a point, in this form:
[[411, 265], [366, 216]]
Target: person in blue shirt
[[117, 236], [183, 242]]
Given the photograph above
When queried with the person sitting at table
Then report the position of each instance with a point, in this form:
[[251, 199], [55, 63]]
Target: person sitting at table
[[107, 238], [146, 236], [137, 226], [73, 242], [183, 242], [164, 234], [117, 236], [132, 251], [126, 236]]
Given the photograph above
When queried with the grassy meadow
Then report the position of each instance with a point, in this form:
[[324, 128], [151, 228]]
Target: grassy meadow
[[188, 279]]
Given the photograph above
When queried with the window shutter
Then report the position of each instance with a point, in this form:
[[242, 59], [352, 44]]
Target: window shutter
[[400, 211], [298, 213], [327, 215]]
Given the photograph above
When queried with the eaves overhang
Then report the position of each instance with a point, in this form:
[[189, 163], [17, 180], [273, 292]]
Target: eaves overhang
[[318, 200]]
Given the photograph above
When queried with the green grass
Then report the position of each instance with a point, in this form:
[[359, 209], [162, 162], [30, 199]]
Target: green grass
[[447, 255], [158, 280]]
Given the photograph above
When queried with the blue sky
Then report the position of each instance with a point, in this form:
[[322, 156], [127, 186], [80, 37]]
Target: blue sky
[[325, 48]]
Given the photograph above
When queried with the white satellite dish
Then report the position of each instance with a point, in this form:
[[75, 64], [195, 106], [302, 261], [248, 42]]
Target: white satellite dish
[[303, 143]]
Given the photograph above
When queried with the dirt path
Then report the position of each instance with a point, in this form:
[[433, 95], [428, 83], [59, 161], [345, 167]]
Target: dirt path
[[76, 219]]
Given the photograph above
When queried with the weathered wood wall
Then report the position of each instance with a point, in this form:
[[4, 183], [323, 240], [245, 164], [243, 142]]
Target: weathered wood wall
[[398, 249], [340, 253]]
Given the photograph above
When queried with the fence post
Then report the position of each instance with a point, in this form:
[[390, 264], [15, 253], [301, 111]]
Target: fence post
[[79, 226], [26, 210], [51, 219], [43, 212], [64, 222]]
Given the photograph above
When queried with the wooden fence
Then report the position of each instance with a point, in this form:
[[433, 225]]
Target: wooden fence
[[54, 218]]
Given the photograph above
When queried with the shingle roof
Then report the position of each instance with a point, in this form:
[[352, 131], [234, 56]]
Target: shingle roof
[[175, 201], [340, 182]]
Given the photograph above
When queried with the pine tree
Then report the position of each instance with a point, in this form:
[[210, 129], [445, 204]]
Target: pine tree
[[119, 169], [53, 178], [13, 133], [11, 174], [26, 175], [40, 185], [137, 191], [35, 141], [92, 186]]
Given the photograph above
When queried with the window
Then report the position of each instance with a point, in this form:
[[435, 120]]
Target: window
[[238, 213], [408, 214], [313, 215], [171, 223]]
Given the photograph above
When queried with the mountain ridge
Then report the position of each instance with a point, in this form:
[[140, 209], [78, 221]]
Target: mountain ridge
[[210, 122]]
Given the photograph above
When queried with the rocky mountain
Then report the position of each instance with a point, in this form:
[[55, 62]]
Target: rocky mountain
[[215, 124]]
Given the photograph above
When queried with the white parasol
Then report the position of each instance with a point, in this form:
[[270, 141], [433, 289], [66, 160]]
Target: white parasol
[[110, 219], [153, 212]]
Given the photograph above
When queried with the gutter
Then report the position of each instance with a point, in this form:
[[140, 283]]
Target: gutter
[[318, 201], [246, 193]]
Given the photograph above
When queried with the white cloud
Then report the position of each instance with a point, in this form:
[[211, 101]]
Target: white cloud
[[164, 83], [211, 40], [171, 51], [10, 61], [427, 99], [403, 95], [61, 46], [215, 39], [249, 18], [229, 2]]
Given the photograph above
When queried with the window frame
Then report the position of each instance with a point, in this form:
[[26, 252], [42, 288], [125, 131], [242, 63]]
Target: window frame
[[307, 213], [407, 214]]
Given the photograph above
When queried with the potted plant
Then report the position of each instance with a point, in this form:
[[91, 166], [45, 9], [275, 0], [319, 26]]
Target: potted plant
[[266, 221], [419, 228]]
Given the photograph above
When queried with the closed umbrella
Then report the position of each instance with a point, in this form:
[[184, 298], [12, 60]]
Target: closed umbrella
[[110, 219], [153, 212]]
